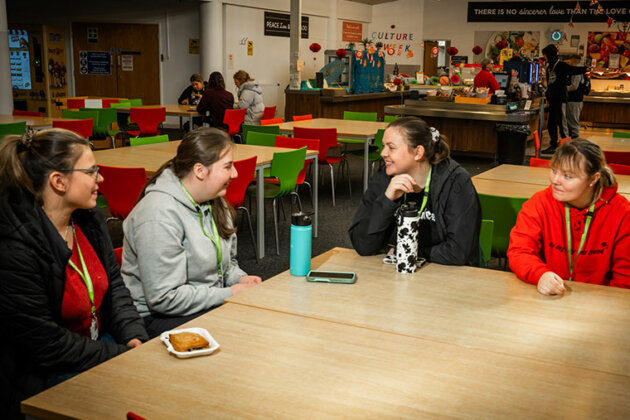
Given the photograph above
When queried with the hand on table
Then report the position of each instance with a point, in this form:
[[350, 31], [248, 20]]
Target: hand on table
[[250, 280], [134, 343], [185, 102], [244, 283], [399, 185], [551, 284]]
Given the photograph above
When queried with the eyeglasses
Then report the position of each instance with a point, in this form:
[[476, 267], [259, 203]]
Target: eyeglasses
[[91, 171]]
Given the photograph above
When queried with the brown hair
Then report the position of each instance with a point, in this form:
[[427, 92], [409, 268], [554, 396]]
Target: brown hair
[[204, 145], [215, 81], [196, 77], [587, 157], [242, 76], [27, 160], [417, 133]]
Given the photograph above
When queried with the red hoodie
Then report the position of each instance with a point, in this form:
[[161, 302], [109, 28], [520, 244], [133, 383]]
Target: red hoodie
[[538, 242]]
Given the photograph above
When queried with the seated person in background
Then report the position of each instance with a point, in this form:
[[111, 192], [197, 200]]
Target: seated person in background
[[179, 253], [215, 101], [250, 97], [485, 78], [418, 168], [583, 200], [192, 95], [63, 305]]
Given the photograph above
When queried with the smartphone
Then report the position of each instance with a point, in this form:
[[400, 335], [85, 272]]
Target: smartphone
[[346, 277]]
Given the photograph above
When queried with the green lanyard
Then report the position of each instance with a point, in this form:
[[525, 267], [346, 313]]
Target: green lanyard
[[425, 196], [84, 273], [216, 239], [587, 226]]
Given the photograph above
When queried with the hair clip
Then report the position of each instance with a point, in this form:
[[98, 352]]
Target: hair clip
[[26, 139], [435, 135]]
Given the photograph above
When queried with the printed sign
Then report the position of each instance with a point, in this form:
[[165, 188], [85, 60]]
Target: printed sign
[[92, 35], [547, 11], [193, 45], [279, 24], [126, 62], [609, 49], [351, 31], [95, 62], [250, 47]]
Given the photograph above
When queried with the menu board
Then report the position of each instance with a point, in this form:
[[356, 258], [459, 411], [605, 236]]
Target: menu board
[[19, 59]]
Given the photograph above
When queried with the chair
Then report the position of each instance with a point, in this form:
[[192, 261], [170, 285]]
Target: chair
[[296, 143], [485, 238], [235, 194], [503, 211], [536, 145], [7, 129], [256, 138], [93, 103], [118, 254], [623, 134], [74, 103], [121, 187], [374, 154], [620, 169], [138, 141], [82, 115], [285, 166], [81, 127], [17, 112], [233, 118], [148, 120], [271, 121], [274, 129], [269, 113], [390, 118], [107, 103], [357, 116], [106, 118], [620, 158], [564, 140], [302, 117], [327, 138], [539, 163], [135, 102], [120, 104]]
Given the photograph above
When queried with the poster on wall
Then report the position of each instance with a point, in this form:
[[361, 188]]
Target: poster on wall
[[279, 24], [351, 31], [95, 62], [401, 47], [547, 11], [56, 72], [524, 42], [19, 59], [602, 46]]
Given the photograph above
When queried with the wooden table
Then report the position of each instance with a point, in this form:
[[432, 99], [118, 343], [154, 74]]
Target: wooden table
[[446, 342], [152, 156], [609, 143], [33, 122], [362, 130]]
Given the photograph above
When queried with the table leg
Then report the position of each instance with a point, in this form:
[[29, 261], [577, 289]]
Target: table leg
[[315, 195], [366, 162], [260, 211], [181, 123], [190, 122]]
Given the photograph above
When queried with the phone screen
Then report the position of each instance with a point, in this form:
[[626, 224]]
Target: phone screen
[[331, 275]]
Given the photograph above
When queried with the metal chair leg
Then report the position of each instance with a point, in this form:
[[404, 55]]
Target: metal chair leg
[[251, 231], [275, 224]]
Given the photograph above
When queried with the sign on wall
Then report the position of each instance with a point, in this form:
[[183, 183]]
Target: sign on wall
[[95, 62], [401, 45], [193, 45], [279, 24], [608, 49], [546, 11], [351, 31]]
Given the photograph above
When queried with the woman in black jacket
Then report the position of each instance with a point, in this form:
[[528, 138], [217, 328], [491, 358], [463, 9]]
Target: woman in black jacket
[[63, 305], [450, 215]]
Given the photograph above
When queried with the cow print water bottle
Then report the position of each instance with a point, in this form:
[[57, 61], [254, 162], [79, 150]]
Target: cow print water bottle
[[407, 238]]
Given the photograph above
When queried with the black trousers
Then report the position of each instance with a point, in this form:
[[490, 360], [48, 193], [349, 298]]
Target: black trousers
[[157, 324], [557, 120]]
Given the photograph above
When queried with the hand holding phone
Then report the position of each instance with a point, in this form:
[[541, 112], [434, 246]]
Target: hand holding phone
[[345, 277]]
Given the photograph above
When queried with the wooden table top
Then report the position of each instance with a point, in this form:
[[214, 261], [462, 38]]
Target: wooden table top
[[534, 175], [171, 109], [35, 122], [278, 365], [152, 156], [610, 143], [464, 306], [347, 128]]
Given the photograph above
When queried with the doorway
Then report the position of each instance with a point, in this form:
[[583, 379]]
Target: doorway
[[435, 56]]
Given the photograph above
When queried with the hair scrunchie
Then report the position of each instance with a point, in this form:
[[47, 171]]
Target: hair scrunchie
[[435, 134], [26, 140]]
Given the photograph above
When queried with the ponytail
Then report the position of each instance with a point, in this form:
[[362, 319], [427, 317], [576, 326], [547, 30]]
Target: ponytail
[[417, 133]]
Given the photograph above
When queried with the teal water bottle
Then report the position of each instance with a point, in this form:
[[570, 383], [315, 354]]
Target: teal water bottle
[[301, 234]]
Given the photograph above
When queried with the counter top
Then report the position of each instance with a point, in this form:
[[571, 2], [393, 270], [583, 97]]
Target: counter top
[[350, 97], [607, 99], [487, 112]]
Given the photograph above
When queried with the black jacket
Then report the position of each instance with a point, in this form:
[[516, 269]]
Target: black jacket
[[454, 201], [33, 260], [191, 94], [558, 73]]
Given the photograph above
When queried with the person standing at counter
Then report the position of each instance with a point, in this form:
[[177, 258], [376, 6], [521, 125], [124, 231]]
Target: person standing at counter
[[485, 78], [576, 229], [575, 98], [418, 168]]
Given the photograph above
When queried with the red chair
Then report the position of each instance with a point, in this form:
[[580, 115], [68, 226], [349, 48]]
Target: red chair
[[75, 103], [620, 158], [620, 169], [118, 253], [121, 187], [271, 121], [269, 112], [327, 139], [148, 120], [234, 118], [237, 188], [18, 113], [564, 140], [107, 102], [540, 163], [302, 117], [297, 143], [81, 127], [536, 144]]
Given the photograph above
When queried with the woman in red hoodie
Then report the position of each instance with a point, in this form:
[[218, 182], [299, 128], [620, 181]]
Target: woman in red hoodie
[[583, 201]]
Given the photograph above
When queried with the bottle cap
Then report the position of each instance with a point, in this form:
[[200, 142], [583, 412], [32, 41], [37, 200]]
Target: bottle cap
[[300, 219], [409, 209]]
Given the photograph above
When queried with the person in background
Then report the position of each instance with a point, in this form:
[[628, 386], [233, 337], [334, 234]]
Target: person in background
[[485, 78], [575, 98], [215, 101], [249, 96], [556, 94], [576, 229], [179, 252], [192, 95], [418, 168], [63, 305]]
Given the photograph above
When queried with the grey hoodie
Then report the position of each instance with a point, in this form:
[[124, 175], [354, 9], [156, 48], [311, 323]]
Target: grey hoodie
[[250, 97], [169, 265]]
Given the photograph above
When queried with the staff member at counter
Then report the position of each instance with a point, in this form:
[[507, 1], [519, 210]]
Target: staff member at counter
[[485, 78]]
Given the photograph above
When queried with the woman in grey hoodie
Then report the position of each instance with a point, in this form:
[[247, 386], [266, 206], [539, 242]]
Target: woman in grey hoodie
[[179, 252], [249, 96]]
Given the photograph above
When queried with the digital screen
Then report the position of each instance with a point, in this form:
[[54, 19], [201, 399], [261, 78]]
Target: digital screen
[[20, 69], [331, 275], [18, 38], [502, 80]]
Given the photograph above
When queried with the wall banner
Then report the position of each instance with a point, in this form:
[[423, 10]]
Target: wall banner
[[546, 11], [279, 24]]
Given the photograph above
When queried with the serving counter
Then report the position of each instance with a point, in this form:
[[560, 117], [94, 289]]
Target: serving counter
[[607, 109]]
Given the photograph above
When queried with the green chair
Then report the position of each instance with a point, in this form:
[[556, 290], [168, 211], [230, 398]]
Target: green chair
[[121, 104], [273, 129], [357, 116], [485, 238], [82, 115], [502, 211], [621, 134], [138, 141], [12, 128], [285, 166], [256, 138], [374, 153], [106, 117], [135, 102], [390, 118]]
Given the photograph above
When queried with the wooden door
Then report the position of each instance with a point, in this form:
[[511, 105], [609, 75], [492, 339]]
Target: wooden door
[[93, 76], [430, 61]]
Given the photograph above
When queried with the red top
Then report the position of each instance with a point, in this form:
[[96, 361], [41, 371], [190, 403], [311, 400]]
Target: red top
[[486, 79], [538, 240], [76, 309]]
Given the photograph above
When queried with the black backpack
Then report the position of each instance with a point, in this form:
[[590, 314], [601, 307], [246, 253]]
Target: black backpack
[[585, 85]]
